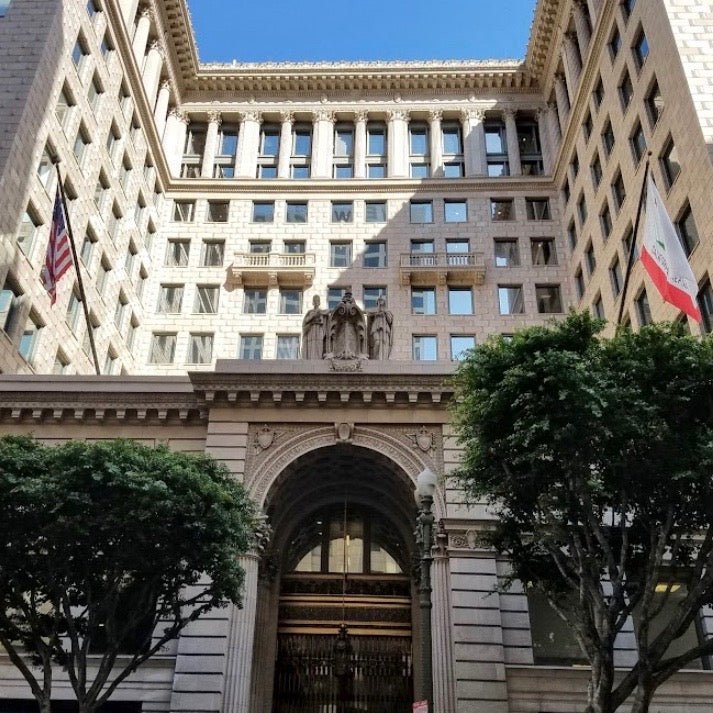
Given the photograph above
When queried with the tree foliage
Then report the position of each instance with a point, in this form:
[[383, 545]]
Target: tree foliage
[[597, 457], [108, 550]]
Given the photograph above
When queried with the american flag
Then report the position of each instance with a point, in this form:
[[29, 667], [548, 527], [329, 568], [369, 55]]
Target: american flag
[[59, 255]]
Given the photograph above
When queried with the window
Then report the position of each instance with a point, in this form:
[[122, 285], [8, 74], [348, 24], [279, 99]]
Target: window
[[705, 304], [163, 348], [94, 92], [626, 90], [80, 144], [4, 6], [510, 299], [212, 253], [251, 346], [565, 191], [502, 209], [177, 253], [193, 151], [294, 247], [29, 337], [344, 151], [259, 247], [643, 310], [45, 168], [421, 211], [543, 251], [105, 45], [582, 209], [290, 301], [342, 212], [375, 150], [614, 43], [618, 190], [423, 300], [598, 307], [455, 211], [263, 212], [61, 362], [590, 258], [528, 139], [537, 208], [288, 346], [654, 103], [579, 282], [419, 150], [574, 167], [496, 150], [587, 126], [615, 277], [120, 311], [457, 251], [627, 7], [335, 295], [452, 146], [113, 225], [628, 243], [460, 300], [461, 344], [103, 275], [11, 302], [640, 49], [553, 642], [422, 252], [598, 93], [670, 165], [371, 296], [596, 169], [687, 231], [27, 233], [375, 254], [638, 142], [269, 151], [572, 235], [170, 299], [255, 302], [375, 211], [63, 110], [206, 299], [424, 348], [605, 221], [200, 348], [218, 211], [608, 139], [340, 254], [80, 54], [296, 212], [301, 151], [506, 252], [88, 244], [184, 211], [548, 299], [226, 150]]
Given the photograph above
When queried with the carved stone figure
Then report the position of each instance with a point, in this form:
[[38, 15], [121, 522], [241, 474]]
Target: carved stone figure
[[347, 330], [314, 331], [381, 334]]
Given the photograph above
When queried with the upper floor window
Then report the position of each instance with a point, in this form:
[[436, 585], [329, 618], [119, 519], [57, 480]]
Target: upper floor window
[[654, 102], [614, 42], [670, 165], [184, 211], [375, 212], [455, 211], [511, 299], [263, 212], [269, 151], [537, 208], [638, 142], [344, 151], [218, 211], [528, 139], [687, 231], [543, 251], [419, 149], [342, 212], [640, 48], [626, 90], [608, 138], [705, 304], [251, 346], [548, 298], [598, 93], [502, 209], [200, 349], [301, 151], [163, 348], [452, 138], [421, 212], [225, 152], [296, 212], [496, 149], [4, 6], [375, 150], [80, 54]]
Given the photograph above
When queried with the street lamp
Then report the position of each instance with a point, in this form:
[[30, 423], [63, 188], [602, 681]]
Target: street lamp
[[425, 489]]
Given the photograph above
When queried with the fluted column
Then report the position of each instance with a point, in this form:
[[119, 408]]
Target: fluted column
[[397, 144], [513, 147], [444, 687], [436, 137], [323, 154], [161, 111], [152, 70], [211, 144], [174, 138], [360, 119], [248, 145], [562, 98], [580, 13], [141, 35], [287, 118], [572, 66], [543, 129]]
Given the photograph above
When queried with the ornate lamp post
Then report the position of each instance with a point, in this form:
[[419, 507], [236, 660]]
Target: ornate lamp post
[[425, 489]]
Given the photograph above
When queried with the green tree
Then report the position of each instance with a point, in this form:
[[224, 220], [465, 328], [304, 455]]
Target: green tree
[[108, 550], [597, 456]]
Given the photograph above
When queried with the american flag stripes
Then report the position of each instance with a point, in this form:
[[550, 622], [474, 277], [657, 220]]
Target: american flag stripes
[[59, 254]]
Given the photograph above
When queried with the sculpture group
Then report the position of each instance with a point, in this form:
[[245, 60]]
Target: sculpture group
[[347, 332]]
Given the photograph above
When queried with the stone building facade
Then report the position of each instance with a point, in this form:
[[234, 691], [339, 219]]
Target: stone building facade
[[210, 205]]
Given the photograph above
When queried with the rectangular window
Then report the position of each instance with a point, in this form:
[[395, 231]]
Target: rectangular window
[[218, 211], [543, 251], [371, 296], [177, 253], [670, 164], [80, 54], [259, 247], [29, 338], [206, 300], [687, 231], [615, 277], [200, 348], [375, 254], [263, 212], [296, 212], [270, 141], [63, 110], [528, 139], [421, 211], [643, 310], [294, 247], [288, 346], [496, 149], [340, 254], [506, 252], [170, 299], [163, 348], [255, 302], [455, 211], [460, 300], [94, 92], [184, 211], [537, 208], [27, 233], [375, 139], [335, 295], [290, 301], [511, 299], [423, 300], [548, 299], [80, 144], [502, 209], [705, 304], [344, 151], [425, 348], [251, 346], [4, 6], [88, 244], [342, 212], [461, 344], [45, 168], [375, 211], [458, 251]]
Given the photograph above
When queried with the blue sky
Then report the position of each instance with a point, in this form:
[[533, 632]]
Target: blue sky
[[301, 30]]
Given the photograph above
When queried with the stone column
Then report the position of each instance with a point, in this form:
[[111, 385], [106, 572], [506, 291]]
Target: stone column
[[444, 687], [572, 66], [128, 11], [436, 147], [513, 147], [174, 138], [211, 144], [546, 147], [594, 6], [323, 153], [474, 142], [360, 119], [141, 35], [248, 145], [161, 111], [580, 13], [397, 144], [283, 161], [152, 70], [562, 98]]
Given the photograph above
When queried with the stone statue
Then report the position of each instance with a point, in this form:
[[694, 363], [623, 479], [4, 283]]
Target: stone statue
[[381, 335], [314, 331], [347, 330]]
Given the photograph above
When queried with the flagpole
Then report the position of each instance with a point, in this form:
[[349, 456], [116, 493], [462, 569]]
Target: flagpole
[[80, 283], [632, 247]]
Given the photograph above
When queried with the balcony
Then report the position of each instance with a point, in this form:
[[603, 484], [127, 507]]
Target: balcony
[[442, 269], [272, 269]]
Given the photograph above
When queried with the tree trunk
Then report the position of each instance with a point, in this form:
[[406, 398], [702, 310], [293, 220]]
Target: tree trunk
[[642, 699], [44, 705], [599, 691]]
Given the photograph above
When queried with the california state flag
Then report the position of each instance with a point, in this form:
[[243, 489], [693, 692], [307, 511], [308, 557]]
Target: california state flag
[[663, 257]]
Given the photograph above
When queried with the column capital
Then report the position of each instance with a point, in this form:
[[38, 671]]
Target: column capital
[[580, 5], [397, 115], [477, 115], [177, 113], [559, 77], [325, 115], [361, 115], [287, 117], [215, 117], [146, 12], [250, 115], [158, 46], [165, 84], [570, 36], [435, 115], [509, 112]]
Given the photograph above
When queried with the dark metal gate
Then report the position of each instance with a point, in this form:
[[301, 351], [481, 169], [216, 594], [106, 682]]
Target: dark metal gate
[[309, 678]]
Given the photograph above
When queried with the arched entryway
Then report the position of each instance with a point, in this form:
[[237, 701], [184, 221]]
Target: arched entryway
[[342, 559]]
